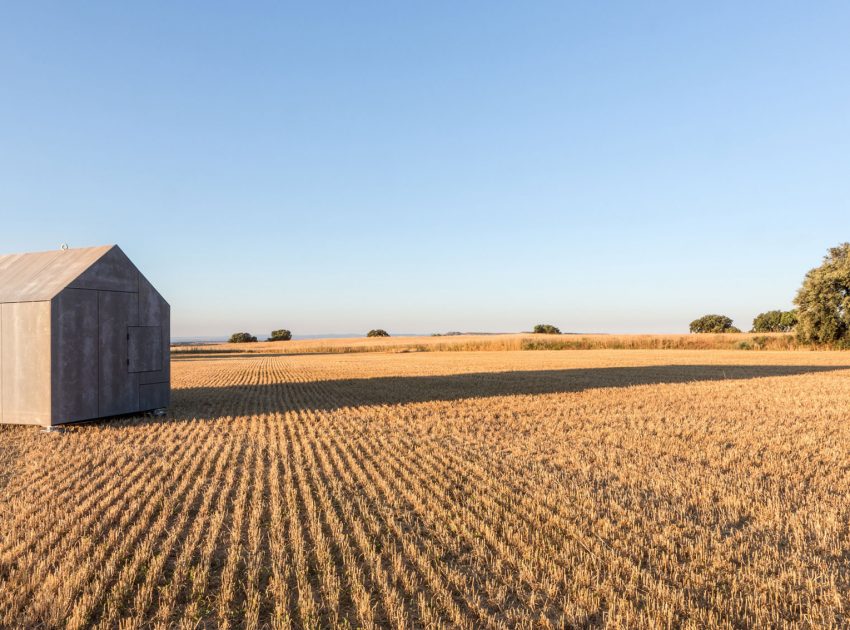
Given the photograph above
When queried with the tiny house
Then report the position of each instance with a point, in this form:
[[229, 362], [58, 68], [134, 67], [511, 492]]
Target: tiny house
[[83, 335]]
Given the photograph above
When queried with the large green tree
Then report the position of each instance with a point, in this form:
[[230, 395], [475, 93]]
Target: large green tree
[[280, 335], [713, 324], [242, 337], [823, 302], [547, 329], [775, 321]]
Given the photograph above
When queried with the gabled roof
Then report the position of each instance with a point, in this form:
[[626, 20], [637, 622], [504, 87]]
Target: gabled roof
[[41, 276]]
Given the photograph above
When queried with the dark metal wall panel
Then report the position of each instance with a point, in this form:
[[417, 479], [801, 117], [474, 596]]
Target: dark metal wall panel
[[111, 272], [145, 349], [164, 374], [154, 396], [166, 342], [151, 304], [25, 328], [118, 389], [74, 365]]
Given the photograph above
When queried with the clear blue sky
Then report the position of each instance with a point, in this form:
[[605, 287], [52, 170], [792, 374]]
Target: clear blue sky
[[334, 167]]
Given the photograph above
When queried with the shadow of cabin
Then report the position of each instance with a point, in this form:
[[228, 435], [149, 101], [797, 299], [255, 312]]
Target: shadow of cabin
[[272, 398]]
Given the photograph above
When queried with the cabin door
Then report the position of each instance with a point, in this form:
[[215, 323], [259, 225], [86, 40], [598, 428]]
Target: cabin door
[[118, 313]]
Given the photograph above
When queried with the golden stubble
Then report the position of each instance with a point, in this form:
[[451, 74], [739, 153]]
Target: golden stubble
[[500, 489]]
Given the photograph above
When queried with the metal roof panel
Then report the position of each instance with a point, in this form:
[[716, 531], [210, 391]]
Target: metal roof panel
[[40, 276]]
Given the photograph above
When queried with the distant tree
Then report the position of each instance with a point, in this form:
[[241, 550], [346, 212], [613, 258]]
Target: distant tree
[[789, 320], [378, 332], [713, 324], [280, 335], [775, 321], [242, 337], [547, 329], [823, 302]]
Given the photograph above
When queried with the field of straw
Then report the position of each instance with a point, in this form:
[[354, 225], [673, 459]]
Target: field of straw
[[488, 489], [507, 341]]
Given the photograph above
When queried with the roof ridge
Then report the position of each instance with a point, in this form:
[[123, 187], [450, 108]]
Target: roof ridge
[[41, 276], [49, 251], [106, 250]]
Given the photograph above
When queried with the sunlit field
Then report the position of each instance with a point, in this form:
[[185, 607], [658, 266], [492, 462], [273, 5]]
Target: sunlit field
[[508, 341], [464, 489]]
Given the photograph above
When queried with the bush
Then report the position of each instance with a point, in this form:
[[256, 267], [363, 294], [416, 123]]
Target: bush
[[378, 332], [713, 324], [556, 344], [546, 329], [775, 321], [242, 337], [280, 335], [788, 321], [823, 302]]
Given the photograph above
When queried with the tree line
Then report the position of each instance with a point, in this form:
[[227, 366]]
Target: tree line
[[286, 335], [821, 316], [822, 313], [769, 321]]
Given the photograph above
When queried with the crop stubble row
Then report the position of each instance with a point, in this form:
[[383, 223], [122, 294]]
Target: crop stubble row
[[404, 491]]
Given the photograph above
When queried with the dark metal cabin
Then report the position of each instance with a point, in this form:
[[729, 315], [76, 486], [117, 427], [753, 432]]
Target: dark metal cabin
[[83, 335]]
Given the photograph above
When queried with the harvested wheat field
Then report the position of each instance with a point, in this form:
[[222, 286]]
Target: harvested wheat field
[[498, 489]]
